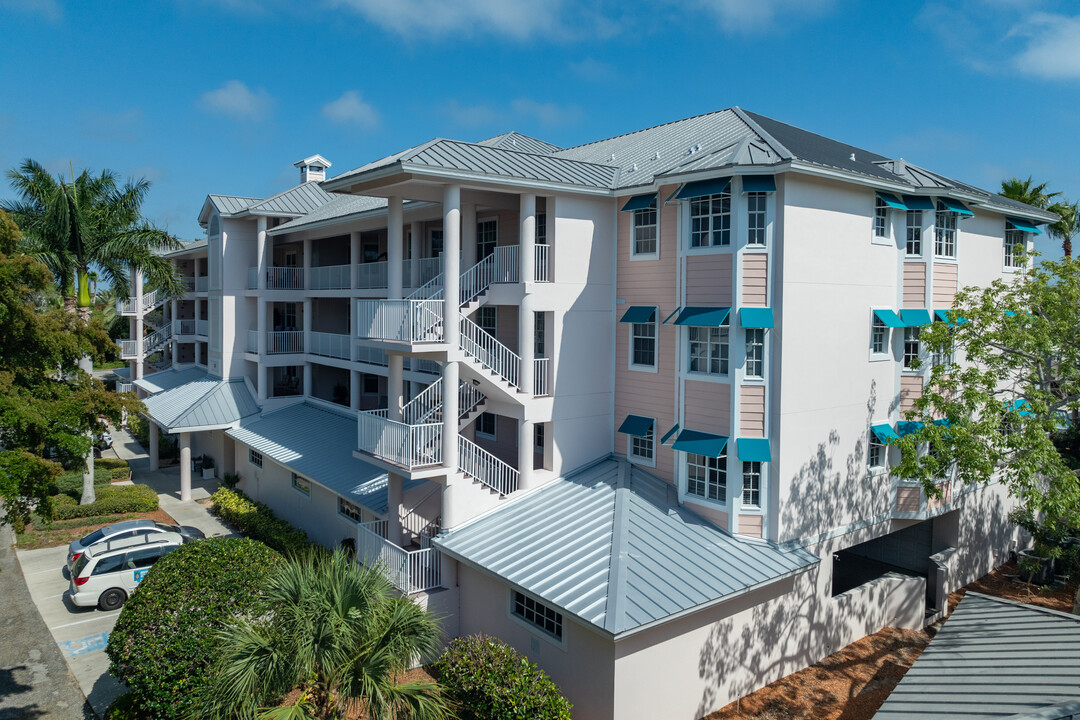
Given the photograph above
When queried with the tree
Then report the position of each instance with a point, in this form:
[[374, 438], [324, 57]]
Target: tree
[[1027, 192], [1068, 223], [339, 635], [997, 415]]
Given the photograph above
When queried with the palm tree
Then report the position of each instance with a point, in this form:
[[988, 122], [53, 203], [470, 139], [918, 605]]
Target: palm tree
[[89, 223], [1027, 193], [339, 635], [1067, 226]]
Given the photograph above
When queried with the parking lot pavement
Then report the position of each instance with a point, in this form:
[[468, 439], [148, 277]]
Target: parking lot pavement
[[81, 633]]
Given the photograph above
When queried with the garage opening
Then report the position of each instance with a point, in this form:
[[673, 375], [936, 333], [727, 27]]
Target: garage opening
[[903, 553]]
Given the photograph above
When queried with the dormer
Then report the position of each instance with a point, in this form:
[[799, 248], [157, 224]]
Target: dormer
[[312, 169]]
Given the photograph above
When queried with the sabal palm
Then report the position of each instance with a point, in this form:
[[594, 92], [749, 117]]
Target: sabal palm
[[1027, 192], [336, 632]]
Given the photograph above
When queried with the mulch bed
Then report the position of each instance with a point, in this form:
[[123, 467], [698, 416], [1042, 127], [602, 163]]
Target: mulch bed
[[853, 683], [62, 532]]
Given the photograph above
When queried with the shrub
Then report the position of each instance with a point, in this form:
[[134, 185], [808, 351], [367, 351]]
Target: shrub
[[166, 638], [488, 680], [257, 521], [111, 500], [117, 467], [71, 483], [123, 708]]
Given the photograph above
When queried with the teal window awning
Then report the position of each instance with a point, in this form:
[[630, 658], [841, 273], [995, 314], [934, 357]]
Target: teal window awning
[[889, 317], [892, 201], [636, 425], [1022, 407], [669, 434], [703, 316], [639, 314], [701, 188], [915, 317], [754, 449], [956, 206], [918, 202], [700, 443], [758, 183], [884, 432], [673, 314], [756, 317], [907, 427], [1025, 225], [639, 202], [943, 316]]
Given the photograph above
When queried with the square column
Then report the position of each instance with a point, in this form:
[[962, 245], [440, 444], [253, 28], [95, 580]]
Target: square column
[[416, 238], [468, 235], [395, 385], [395, 247], [528, 240], [525, 454], [260, 252], [450, 377], [527, 344], [354, 389], [354, 257], [185, 467], [451, 269], [393, 508]]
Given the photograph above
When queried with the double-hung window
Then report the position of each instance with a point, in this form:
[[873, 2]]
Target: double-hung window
[[943, 356], [486, 319], [879, 336], [914, 233], [710, 221], [708, 351], [1014, 243], [877, 456], [643, 344], [755, 353], [487, 425], [944, 232], [755, 218], [751, 484], [706, 477], [881, 216], [487, 237], [642, 447], [911, 348], [645, 230]]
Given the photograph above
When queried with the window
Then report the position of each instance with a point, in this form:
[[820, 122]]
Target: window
[[541, 228], [709, 349], [109, 564], [706, 477], [486, 318], [255, 458], [290, 317], [751, 484], [436, 242], [755, 218], [301, 483], [538, 331], [911, 348], [943, 356], [878, 454], [879, 336], [710, 221], [645, 230], [641, 448], [643, 344], [881, 215], [944, 232], [486, 425], [755, 352], [348, 509], [143, 558], [538, 438], [538, 615], [1014, 243], [914, 233], [487, 237]]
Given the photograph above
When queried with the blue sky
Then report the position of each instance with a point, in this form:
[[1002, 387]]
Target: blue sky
[[222, 96]]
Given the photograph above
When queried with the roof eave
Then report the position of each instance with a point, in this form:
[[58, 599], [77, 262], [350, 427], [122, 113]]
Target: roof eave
[[467, 176], [343, 219]]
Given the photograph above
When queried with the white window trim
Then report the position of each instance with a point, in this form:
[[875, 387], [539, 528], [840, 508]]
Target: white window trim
[[637, 459], [684, 483], [706, 376], [732, 246], [292, 483], [493, 436], [533, 629], [655, 367], [887, 354], [921, 370], [479, 222], [252, 454], [956, 236], [744, 206], [746, 358], [347, 517], [634, 255], [762, 484], [1005, 267], [876, 470], [886, 238], [922, 235]]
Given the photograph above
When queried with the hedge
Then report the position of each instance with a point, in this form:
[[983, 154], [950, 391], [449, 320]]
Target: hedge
[[111, 500], [71, 483], [118, 468], [165, 641], [487, 679], [257, 521]]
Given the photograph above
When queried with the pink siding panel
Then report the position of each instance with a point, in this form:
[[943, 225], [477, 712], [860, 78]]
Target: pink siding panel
[[752, 411], [708, 407], [755, 280], [945, 285], [911, 387], [907, 499], [750, 525], [914, 285], [708, 280]]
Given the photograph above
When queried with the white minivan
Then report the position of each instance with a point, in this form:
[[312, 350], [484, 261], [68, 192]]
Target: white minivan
[[107, 573]]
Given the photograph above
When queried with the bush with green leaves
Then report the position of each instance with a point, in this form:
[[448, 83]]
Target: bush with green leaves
[[165, 641], [118, 468], [487, 679], [123, 708], [71, 483], [257, 521], [111, 500]]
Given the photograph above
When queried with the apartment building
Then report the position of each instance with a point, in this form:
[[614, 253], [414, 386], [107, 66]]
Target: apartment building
[[625, 405]]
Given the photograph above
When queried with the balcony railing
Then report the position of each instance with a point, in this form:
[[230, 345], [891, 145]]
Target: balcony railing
[[184, 327], [123, 387], [429, 269], [131, 305], [202, 328], [489, 352], [253, 278], [413, 321], [543, 265], [253, 341], [285, 278], [410, 571], [371, 356], [428, 367], [330, 345], [202, 283], [371, 276], [284, 341], [330, 277], [541, 381], [479, 463], [410, 446], [188, 283]]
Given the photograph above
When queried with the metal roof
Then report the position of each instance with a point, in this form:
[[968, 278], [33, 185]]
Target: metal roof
[[202, 404], [339, 207], [624, 554], [168, 379], [994, 658], [318, 443], [231, 204], [516, 141], [299, 200]]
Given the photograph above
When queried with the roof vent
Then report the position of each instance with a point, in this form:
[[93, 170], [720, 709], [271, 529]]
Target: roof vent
[[852, 157], [633, 168], [656, 156], [901, 167], [612, 156], [513, 141], [312, 169]]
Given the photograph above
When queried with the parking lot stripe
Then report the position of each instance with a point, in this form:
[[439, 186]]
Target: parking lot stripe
[[97, 616]]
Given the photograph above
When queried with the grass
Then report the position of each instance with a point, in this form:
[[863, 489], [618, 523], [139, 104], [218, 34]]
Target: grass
[[62, 532], [111, 365]]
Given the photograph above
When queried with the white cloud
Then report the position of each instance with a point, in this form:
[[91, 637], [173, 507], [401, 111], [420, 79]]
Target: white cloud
[[350, 109], [757, 16], [1053, 47], [545, 113], [513, 19], [234, 99]]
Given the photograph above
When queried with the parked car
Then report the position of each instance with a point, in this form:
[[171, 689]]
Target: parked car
[[102, 441], [127, 529], [107, 573]]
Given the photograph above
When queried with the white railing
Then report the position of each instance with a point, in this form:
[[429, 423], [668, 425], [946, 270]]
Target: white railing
[[469, 398], [123, 387], [543, 266], [428, 367], [431, 290], [202, 328], [507, 264], [425, 407], [489, 352], [330, 277], [284, 341], [541, 381], [371, 355], [332, 345], [501, 266], [188, 283], [410, 446], [253, 278], [477, 462], [131, 306], [253, 341], [156, 339], [410, 571], [371, 276], [202, 283], [184, 327], [285, 278], [128, 349], [416, 524], [413, 321]]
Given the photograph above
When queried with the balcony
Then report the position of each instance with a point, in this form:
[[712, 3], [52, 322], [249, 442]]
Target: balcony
[[202, 283], [372, 356], [279, 342], [410, 321], [332, 345], [541, 379], [330, 277], [202, 328], [253, 341], [253, 278], [410, 571], [132, 305], [184, 327], [188, 283], [285, 278], [123, 387], [412, 447], [371, 276]]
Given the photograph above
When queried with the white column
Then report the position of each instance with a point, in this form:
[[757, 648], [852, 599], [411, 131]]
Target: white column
[[175, 312], [452, 496], [154, 451], [526, 343], [261, 375], [260, 326], [140, 361], [261, 252], [468, 235], [354, 389], [528, 240], [394, 385], [395, 247], [393, 508], [451, 266], [185, 467], [306, 325], [450, 416], [525, 454], [354, 257], [306, 390], [416, 233], [306, 280]]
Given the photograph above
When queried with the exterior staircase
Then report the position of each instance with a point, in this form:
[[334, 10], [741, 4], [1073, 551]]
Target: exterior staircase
[[133, 305], [129, 349]]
